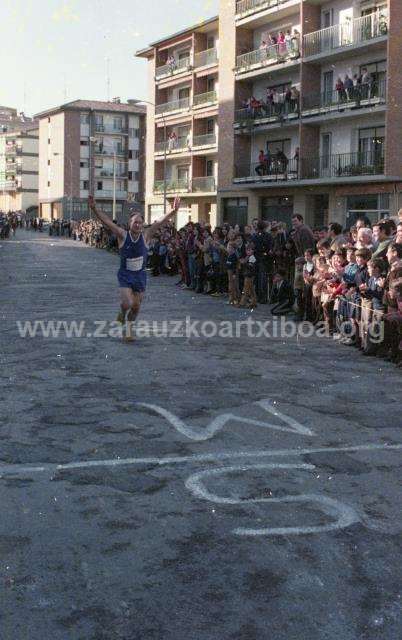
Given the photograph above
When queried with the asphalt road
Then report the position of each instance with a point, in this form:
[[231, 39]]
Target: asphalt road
[[258, 498]]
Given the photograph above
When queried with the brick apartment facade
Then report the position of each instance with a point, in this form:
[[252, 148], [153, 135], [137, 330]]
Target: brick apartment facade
[[82, 146], [183, 116], [342, 147]]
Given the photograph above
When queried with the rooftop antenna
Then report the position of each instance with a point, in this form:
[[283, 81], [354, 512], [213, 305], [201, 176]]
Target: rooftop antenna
[[108, 79], [65, 92]]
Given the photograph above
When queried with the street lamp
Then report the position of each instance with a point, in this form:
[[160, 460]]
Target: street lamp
[[164, 154], [71, 182]]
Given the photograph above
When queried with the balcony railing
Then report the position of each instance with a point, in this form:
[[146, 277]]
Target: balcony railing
[[109, 128], [276, 112], [205, 184], [8, 185], [272, 171], [108, 193], [172, 186], [357, 97], [175, 105], [102, 151], [343, 165], [173, 67], [178, 145], [341, 36], [12, 148], [202, 59], [269, 55], [247, 7], [206, 140], [108, 173], [204, 98]]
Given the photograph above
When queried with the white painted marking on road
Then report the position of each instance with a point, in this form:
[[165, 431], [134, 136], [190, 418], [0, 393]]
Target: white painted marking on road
[[344, 515], [200, 434], [13, 469]]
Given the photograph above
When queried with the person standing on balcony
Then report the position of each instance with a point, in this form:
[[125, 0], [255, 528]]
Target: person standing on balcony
[[296, 44], [288, 42], [172, 141], [348, 84], [295, 99], [282, 45], [133, 246], [260, 168]]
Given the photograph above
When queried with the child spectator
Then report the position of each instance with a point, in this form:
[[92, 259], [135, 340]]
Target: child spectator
[[249, 270]]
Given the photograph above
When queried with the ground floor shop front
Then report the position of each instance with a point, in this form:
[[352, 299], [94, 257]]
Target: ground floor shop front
[[192, 209], [319, 205]]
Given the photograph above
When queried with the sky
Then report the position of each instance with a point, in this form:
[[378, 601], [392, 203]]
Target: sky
[[54, 51]]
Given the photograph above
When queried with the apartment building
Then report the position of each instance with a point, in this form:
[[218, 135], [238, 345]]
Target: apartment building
[[182, 122], [12, 120], [89, 147], [19, 151], [309, 109]]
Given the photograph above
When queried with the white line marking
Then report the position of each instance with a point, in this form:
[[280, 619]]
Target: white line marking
[[13, 469], [200, 434], [344, 514]]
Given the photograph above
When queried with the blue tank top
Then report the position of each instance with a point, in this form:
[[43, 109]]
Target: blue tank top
[[133, 262]]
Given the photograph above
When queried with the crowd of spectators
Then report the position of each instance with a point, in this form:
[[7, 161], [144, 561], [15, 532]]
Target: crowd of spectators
[[284, 44], [277, 103], [348, 281]]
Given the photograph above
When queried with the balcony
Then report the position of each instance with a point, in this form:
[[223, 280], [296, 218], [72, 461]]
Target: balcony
[[12, 149], [174, 67], [353, 33], [109, 128], [205, 58], [323, 168], [175, 105], [108, 193], [273, 171], [246, 8], [8, 185], [343, 165], [359, 97], [180, 144], [207, 140], [267, 113], [108, 173], [172, 186], [267, 57], [202, 99], [101, 151], [204, 184]]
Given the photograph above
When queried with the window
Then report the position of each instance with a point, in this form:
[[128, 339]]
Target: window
[[209, 167], [130, 154], [210, 84], [184, 93], [281, 145], [372, 146], [84, 143], [99, 186], [84, 164], [210, 125], [277, 208], [182, 173], [48, 183], [210, 41], [328, 86], [98, 120], [85, 185], [84, 118], [117, 123], [48, 162], [48, 140], [235, 210], [326, 142], [374, 206], [136, 175], [184, 55], [378, 73], [130, 175]]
